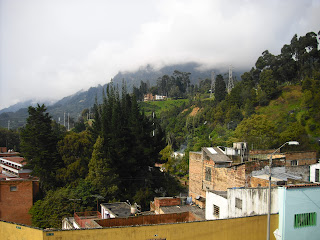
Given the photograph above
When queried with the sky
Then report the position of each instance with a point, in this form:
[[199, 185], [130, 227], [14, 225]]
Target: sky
[[50, 49]]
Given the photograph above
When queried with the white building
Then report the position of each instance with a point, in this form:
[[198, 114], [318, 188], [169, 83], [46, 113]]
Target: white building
[[216, 205], [13, 167], [240, 202], [299, 212], [115, 210], [315, 173]]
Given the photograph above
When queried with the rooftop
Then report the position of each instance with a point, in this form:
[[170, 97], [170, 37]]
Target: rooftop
[[220, 193], [14, 159], [198, 212], [119, 209], [216, 154]]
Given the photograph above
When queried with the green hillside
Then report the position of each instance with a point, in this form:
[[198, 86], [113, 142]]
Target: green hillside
[[196, 122]]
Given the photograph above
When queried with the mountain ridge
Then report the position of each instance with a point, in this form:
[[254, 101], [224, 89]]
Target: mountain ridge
[[74, 104]]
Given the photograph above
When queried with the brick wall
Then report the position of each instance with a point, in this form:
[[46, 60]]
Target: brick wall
[[165, 202], [3, 149], [195, 175], [148, 219], [15, 205], [258, 165], [268, 151], [259, 182], [303, 158], [224, 178]]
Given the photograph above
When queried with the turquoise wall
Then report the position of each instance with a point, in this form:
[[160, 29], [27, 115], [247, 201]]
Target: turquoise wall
[[295, 201]]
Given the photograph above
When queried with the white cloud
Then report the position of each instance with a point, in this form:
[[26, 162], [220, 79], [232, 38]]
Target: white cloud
[[55, 48]]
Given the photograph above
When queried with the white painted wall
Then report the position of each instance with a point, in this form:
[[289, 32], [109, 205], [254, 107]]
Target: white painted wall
[[254, 201], [313, 168], [105, 213], [212, 198]]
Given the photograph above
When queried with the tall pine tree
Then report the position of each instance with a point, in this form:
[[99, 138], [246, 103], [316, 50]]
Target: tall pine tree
[[38, 146]]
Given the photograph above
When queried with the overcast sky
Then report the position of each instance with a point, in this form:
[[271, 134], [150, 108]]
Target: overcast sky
[[54, 48]]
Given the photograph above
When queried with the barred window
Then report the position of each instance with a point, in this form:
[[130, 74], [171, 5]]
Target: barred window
[[13, 188], [216, 211], [238, 203], [208, 174], [317, 175], [305, 219], [294, 163]]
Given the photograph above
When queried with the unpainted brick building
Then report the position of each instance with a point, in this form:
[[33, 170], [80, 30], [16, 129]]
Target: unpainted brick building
[[16, 199]]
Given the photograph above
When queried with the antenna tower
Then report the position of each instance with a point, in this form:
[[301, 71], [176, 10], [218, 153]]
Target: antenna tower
[[230, 82], [213, 84]]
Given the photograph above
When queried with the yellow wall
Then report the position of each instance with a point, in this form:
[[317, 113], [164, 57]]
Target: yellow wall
[[231, 229], [11, 231]]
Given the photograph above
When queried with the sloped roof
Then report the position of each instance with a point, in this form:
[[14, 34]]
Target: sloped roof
[[216, 154]]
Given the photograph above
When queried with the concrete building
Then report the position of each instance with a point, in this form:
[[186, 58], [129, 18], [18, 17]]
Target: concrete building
[[315, 173], [116, 210], [299, 212], [150, 97], [240, 202]]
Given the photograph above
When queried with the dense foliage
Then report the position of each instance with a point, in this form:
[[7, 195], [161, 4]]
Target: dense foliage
[[9, 139], [127, 146]]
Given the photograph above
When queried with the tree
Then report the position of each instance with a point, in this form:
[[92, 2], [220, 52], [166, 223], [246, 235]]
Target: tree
[[101, 174], [75, 150], [38, 146], [127, 146], [220, 89], [258, 131], [268, 84], [48, 212], [9, 139]]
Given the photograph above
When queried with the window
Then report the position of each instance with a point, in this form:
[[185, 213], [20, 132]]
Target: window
[[305, 220], [238, 203], [208, 174], [216, 211], [294, 163], [317, 175], [13, 188]]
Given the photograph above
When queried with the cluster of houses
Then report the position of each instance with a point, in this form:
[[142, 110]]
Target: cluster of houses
[[224, 184]]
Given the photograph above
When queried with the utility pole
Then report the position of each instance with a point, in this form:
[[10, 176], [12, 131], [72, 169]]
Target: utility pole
[[213, 84], [153, 124], [230, 82], [8, 124], [64, 119]]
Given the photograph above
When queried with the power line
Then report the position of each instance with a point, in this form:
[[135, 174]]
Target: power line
[[213, 84]]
